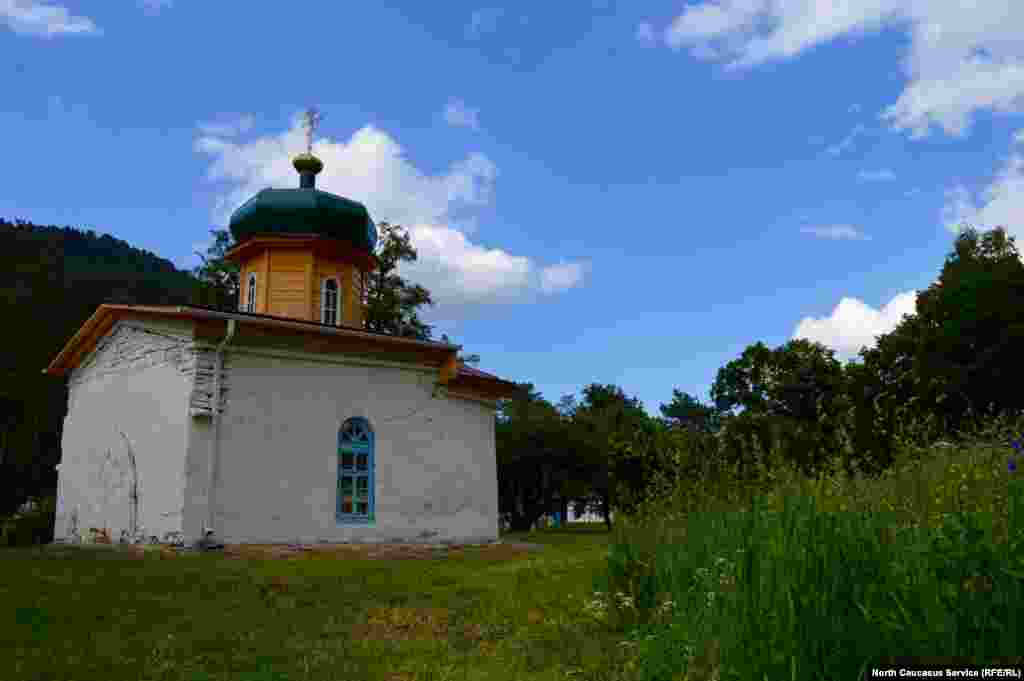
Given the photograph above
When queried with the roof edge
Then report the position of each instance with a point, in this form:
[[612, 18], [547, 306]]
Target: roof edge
[[107, 314]]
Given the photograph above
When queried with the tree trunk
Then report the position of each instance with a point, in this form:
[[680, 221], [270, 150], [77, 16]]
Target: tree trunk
[[606, 511]]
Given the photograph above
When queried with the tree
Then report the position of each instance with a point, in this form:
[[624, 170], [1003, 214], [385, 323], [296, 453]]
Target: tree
[[217, 276], [952, 359], [686, 411], [537, 457], [792, 399], [972, 329], [391, 303], [604, 417], [463, 359]]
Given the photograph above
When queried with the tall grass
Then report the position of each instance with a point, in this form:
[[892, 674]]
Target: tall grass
[[800, 578]]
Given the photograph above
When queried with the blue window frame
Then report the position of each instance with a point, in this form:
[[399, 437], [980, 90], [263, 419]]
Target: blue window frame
[[355, 472]]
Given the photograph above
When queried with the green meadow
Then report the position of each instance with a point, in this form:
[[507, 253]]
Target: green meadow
[[791, 578]]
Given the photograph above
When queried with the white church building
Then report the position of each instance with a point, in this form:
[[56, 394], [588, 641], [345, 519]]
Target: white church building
[[283, 422]]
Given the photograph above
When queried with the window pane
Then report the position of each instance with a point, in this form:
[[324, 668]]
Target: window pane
[[346, 486], [362, 488], [361, 462], [361, 508], [346, 460]]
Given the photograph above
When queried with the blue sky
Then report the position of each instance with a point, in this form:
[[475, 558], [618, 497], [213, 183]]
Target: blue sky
[[602, 191]]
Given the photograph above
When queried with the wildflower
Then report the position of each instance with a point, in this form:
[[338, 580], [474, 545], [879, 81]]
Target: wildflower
[[597, 607]]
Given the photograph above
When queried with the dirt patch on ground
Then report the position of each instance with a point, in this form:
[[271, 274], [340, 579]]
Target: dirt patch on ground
[[498, 552], [421, 624]]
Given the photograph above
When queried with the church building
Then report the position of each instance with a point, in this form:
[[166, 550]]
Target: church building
[[283, 422]]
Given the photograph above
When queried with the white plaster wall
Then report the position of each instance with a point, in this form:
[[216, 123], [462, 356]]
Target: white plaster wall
[[436, 475], [136, 383]]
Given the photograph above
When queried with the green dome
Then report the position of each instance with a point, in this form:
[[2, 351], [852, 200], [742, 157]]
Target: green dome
[[304, 211]]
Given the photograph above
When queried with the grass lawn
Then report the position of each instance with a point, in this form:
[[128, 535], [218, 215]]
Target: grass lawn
[[100, 613]]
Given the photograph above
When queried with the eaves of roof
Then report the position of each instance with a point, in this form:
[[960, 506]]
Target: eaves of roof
[[442, 355]]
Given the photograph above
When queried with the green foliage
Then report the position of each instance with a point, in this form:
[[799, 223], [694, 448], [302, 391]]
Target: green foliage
[[218, 277], [538, 457], [686, 411], [392, 303], [957, 353], [24, 528]]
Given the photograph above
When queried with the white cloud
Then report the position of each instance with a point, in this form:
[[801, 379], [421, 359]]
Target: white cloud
[[836, 232], [371, 167], [231, 128], [963, 57], [881, 175], [854, 324], [1000, 204], [645, 34], [949, 100], [560, 277], [41, 19], [482, 22], [457, 114], [153, 7]]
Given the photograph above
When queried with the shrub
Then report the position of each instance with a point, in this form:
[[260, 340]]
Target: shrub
[[25, 528]]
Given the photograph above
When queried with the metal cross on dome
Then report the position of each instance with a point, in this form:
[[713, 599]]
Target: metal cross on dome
[[312, 118]]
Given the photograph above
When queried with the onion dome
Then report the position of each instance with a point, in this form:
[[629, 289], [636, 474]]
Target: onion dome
[[305, 210]]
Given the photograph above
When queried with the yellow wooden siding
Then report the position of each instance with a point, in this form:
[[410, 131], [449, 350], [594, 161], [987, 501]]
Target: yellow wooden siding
[[357, 284], [311, 287], [287, 258], [263, 283], [288, 295], [289, 283], [243, 288], [351, 302]]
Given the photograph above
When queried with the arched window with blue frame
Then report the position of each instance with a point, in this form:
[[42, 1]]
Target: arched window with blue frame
[[355, 472]]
